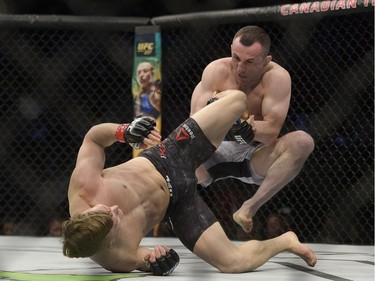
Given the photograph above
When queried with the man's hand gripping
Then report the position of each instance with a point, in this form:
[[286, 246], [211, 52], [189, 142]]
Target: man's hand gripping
[[162, 261], [140, 133], [242, 130]]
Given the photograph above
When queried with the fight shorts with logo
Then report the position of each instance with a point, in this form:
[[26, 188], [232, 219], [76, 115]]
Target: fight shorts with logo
[[232, 160], [177, 158]]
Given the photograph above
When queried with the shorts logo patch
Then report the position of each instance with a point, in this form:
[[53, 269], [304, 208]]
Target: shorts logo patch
[[162, 151], [169, 186], [182, 135]]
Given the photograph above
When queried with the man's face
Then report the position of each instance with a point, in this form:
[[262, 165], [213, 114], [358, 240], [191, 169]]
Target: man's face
[[145, 74], [9, 228], [248, 62], [274, 227], [55, 229]]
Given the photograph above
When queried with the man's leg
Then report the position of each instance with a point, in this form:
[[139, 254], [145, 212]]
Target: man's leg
[[217, 118], [279, 163], [249, 255]]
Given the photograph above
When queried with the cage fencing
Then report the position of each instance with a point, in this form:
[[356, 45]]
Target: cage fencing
[[59, 77]]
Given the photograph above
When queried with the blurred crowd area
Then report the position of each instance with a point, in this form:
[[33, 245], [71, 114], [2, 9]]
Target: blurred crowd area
[[57, 83], [26, 227], [129, 8]]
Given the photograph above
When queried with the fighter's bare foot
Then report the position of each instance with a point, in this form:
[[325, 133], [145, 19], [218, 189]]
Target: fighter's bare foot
[[301, 250], [244, 221]]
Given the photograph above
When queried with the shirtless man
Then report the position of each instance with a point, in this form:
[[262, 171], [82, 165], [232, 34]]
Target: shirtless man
[[261, 156], [113, 208]]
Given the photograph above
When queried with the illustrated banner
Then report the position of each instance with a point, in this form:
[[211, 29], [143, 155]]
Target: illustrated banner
[[146, 82]]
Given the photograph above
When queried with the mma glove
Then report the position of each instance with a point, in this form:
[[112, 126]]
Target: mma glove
[[165, 264], [240, 132], [135, 132]]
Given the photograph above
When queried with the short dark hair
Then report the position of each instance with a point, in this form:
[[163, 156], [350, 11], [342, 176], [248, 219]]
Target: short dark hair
[[250, 34]]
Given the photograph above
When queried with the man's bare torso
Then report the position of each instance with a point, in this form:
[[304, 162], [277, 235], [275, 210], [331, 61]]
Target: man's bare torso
[[139, 191], [131, 185], [255, 87]]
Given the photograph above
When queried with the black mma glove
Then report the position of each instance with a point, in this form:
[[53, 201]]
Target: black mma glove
[[241, 133], [165, 264], [135, 132]]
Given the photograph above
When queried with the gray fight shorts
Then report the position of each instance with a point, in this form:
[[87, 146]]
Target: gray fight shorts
[[232, 160]]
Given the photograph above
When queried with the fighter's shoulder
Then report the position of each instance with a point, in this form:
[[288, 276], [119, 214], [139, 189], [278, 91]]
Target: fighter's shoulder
[[217, 69], [220, 65], [277, 72]]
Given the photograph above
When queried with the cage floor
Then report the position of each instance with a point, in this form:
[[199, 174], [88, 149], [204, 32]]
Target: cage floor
[[40, 259]]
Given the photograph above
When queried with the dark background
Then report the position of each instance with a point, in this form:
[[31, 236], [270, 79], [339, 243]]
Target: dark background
[[126, 8]]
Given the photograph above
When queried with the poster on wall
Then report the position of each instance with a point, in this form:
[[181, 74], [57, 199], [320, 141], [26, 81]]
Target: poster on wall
[[146, 81]]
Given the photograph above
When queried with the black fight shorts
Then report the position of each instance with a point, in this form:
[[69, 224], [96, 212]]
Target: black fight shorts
[[177, 158]]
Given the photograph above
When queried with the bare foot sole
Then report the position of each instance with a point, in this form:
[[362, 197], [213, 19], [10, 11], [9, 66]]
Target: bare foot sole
[[245, 222], [304, 252]]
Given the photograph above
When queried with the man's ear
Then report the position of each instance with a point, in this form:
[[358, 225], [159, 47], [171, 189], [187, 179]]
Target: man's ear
[[267, 60]]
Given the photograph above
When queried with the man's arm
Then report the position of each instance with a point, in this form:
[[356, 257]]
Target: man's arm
[[123, 260], [275, 107], [211, 76], [91, 156], [199, 98]]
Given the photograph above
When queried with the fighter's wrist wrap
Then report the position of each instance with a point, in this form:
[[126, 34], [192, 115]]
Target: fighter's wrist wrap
[[165, 264], [135, 132], [120, 132]]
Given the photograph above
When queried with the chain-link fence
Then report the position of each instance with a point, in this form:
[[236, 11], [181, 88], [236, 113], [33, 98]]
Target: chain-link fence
[[331, 64], [57, 82]]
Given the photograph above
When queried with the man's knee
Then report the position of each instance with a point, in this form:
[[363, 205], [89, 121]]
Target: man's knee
[[235, 263], [238, 98], [302, 142]]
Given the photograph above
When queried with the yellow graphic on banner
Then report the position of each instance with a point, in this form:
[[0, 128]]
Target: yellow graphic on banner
[[146, 82], [145, 48]]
